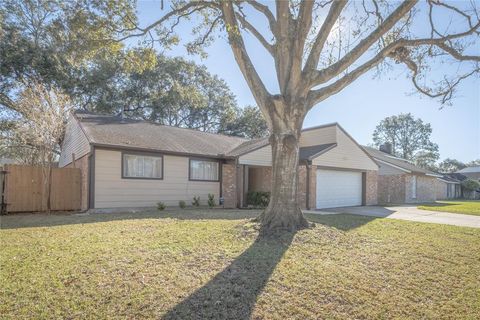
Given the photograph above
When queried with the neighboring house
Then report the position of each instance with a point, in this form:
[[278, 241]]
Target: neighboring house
[[471, 172], [399, 181], [129, 163], [448, 188]]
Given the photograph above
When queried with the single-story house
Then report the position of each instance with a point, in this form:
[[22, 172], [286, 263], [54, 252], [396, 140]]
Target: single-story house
[[448, 188], [400, 181], [471, 172], [131, 163]]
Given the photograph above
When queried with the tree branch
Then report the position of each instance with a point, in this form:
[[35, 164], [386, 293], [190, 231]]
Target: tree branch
[[267, 13], [255, 83], [397, 51], [247, 25], [314, 56], [167, 16], [338, 67]]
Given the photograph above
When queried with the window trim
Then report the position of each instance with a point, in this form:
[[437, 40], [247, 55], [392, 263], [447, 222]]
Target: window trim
[[138, 153], [202, 159]]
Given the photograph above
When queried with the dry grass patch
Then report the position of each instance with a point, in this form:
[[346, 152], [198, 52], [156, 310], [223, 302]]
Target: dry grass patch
[[210, 264]]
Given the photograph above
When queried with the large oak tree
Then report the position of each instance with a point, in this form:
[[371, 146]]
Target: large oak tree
[[320, 47]]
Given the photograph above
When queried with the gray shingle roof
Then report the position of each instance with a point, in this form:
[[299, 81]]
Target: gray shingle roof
[[469, 170], [113, 131], [248, 146], [399, 162], [309, 153]]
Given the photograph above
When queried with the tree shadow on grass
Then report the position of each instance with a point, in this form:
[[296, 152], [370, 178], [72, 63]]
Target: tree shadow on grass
[[33, 220], [232, 293], [343, 221]]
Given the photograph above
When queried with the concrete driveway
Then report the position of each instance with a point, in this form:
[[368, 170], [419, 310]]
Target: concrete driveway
[[410, 213]]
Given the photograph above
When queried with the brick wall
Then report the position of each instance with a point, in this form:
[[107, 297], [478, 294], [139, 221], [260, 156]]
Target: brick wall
[[259, 178], [426, 189], [371, 187], [391, 189], [441, 190], [229, 189], [82, 163]]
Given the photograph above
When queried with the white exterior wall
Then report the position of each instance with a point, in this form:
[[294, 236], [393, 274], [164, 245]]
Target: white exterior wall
[[318, 136], [111, 191], [260, 157], [347, 154], [75, 142]]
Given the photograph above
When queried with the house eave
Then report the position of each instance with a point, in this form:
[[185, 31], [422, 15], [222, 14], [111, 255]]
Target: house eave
[[393, 166], [166, 152]]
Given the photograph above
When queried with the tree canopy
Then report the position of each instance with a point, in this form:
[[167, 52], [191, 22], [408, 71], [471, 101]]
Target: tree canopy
[[409, 138], [61, 45]]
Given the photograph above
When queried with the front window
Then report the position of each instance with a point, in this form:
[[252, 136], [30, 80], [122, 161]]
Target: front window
[[142, 166], [203, 170]]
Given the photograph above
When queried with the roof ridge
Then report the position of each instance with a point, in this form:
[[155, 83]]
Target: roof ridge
[[159, 124]]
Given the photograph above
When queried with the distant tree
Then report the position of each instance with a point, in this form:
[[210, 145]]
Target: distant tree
[[409, 138], [450, 165], [55, 42], [470, 186], [58, 45], [38, 128], [33, 133], [473, 163], [249, 123]]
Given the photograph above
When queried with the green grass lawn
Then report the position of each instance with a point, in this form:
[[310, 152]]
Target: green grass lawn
[[466, 207], [210, 264]]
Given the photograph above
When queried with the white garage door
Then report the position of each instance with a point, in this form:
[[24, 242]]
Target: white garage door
[[338, 188]]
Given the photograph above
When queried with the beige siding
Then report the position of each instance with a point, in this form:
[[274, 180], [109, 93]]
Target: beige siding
[[319, 136], [111, 191], [75, 142], [347, 154], [386, 169], [260, 157]]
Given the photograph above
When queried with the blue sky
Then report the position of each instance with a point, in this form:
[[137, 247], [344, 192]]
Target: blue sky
[[359, 107]]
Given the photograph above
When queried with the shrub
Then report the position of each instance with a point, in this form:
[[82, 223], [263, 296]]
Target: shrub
[[211, 200], [161, 206], [196, 201], [258, 198], [182, 204], [470, 185]]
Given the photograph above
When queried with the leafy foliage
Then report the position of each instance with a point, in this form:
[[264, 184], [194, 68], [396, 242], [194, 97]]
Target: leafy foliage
[[450, 165], [182, 204], [258, 198], [211, 200], [161, 206], [196, 201], [409, 138], [470, 184]]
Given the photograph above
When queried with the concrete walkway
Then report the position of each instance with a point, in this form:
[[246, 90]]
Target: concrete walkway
[[410, 213]]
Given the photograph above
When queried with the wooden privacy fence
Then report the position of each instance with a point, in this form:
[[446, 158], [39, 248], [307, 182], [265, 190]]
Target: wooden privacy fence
[[25, 189]]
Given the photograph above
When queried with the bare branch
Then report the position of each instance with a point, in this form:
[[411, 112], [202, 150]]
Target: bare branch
[[446, 91], [255, 83], [247, 25], [182, 11], [396, 51], [268, 14], [314, 56], [338, 67]]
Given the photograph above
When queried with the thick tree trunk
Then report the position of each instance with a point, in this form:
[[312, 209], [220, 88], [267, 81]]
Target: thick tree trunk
[[283, 211]]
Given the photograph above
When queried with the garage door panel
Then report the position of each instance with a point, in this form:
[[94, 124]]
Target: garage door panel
[[338, 188]]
